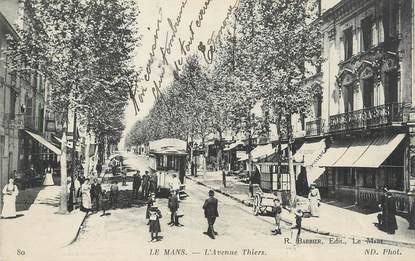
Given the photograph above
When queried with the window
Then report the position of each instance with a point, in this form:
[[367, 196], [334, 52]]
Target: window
[[391, 87], [367, 33], [346, 177], [390, 24], [318, 102], [369, 177], [368, 93], [349, 98], [13, 96], [394, 178], [348, 43]]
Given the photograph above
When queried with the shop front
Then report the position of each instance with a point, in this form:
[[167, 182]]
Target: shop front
[[360, 167]]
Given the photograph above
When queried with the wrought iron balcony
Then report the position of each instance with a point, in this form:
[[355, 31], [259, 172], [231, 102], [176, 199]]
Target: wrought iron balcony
[[370, 117], [315, 127]]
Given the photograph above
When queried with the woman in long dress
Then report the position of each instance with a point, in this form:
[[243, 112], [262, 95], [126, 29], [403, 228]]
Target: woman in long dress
[[86, 196], [48, 177], [10, 192], [314, 198]]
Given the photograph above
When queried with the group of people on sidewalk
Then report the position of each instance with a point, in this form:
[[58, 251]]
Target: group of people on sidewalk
[[147, 182]]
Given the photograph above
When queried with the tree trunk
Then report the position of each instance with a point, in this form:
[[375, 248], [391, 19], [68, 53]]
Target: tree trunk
[[204, 157], [251, 185], [293, 192], [63, 207], [87, 148]]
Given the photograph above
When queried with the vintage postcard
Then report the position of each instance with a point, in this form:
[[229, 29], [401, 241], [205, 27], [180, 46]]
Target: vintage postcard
[[207, 130]]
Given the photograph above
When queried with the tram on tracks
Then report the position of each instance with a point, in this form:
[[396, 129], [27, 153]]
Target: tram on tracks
[[168, 158]]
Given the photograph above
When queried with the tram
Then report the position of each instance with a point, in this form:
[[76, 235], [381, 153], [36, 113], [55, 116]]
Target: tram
[[167, 158]]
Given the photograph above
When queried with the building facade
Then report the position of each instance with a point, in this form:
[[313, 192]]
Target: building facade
[[365, 111]]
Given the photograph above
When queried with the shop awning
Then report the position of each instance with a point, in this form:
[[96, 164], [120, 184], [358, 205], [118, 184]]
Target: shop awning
[[313, 176], [334, 153], [233, 145], [45, 142], [354, 152], [380, 149], [309, 152], [368, 152]]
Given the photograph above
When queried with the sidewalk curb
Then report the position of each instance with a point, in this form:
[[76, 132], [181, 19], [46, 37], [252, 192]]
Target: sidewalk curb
[[79, 230], [309, 228]]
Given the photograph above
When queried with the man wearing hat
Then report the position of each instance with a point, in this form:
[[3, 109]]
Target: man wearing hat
[[211, 213]]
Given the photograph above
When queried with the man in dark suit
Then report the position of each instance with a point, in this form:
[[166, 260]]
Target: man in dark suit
[[211, 213], [173, 205], [136, 183], [145, 184]]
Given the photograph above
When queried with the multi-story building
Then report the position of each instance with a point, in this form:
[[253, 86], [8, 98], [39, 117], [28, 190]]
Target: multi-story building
[[365, 112], [10, 107]]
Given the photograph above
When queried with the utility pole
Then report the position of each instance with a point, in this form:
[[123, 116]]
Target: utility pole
[[73, 162]]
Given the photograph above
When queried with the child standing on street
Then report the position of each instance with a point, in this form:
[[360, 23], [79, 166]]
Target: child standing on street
[[154, 222], [277, 216], [105, 202], [298, 220]]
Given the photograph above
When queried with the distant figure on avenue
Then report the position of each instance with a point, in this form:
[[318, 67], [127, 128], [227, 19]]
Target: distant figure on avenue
[[31, 176], [152, 186], [297, 226], [136, 183], [96, 193], [10, 193], [114, 195], [173, 205], [154, 221], [211, 213], [388, 218], [314, 198], [124, 177], [224, 178], [277, 216], [86, 196], [105, 201], [146, 179], [48, 176], [175, 184]]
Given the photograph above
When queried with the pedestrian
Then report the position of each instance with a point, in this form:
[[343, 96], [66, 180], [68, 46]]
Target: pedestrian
[[173, 205], [314, 198], [105, 200], [10, 193], [152, 183], [114, 195], [382, 206], [124, 177], [145, 179], [154, 222], [150, 203], [211, 213], [175, 184], [48, 176], [136, 183], [277, 216], [31, 176], [86, 196], [297, 226], [390, 224], [97, 193]]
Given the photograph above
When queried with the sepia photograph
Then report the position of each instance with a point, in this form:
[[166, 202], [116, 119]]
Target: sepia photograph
[[153, 130]]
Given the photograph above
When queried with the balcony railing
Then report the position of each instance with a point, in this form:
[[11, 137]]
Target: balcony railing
[[315, 128], [369, 117]]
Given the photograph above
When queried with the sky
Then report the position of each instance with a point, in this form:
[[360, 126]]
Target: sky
[[215, 13]]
